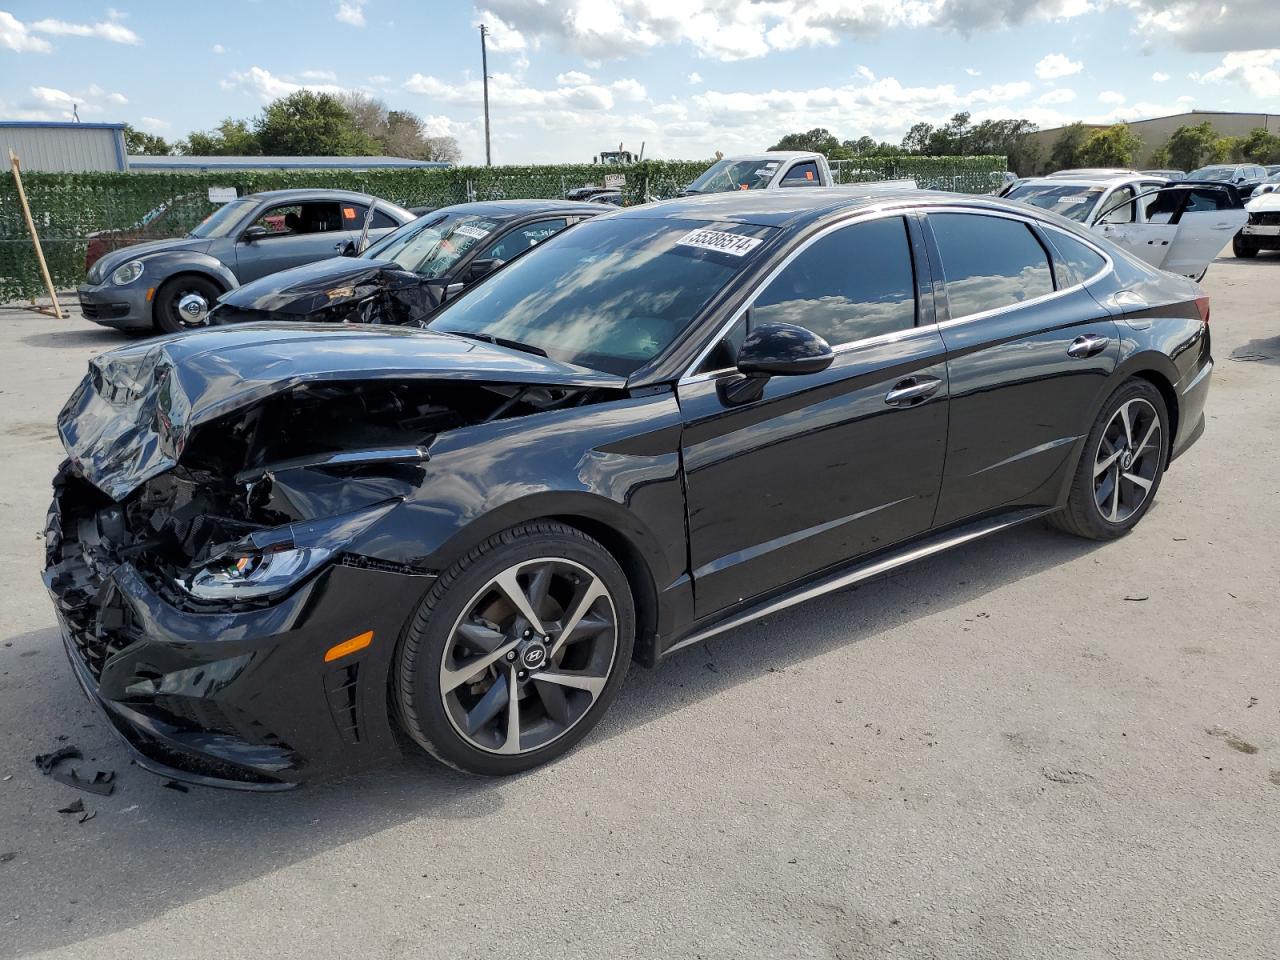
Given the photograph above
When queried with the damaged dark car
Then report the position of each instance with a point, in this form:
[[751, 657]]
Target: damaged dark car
[[280, 551], [409, 274]]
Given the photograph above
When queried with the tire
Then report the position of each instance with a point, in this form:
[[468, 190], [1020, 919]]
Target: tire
[[165, 313], [1243, 248], [1094, 509], [468, 646]]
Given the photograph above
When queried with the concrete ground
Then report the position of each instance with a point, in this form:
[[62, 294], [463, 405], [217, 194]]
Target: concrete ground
[[1031, 747]]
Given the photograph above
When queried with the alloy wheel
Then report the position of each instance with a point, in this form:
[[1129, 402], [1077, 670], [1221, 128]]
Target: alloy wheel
[[1127, 460], [529, 656]]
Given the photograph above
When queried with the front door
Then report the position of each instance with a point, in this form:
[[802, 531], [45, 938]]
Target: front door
[[297, 233], [825, 467]]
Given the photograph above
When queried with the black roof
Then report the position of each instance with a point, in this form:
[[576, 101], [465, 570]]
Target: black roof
[[786, 208], [505, 209]]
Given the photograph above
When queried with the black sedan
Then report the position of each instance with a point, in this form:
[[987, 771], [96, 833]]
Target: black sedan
[[407, 275], [275, 548]]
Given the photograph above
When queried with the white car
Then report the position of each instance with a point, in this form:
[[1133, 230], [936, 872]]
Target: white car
[[1180, 227], [1262, 232]]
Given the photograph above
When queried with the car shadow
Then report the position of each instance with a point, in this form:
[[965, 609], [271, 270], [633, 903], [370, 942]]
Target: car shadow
[[1263, 350], [151, 849], [101, 337]]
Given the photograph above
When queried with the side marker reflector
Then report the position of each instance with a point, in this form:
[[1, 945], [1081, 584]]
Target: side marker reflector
[[358, 642], [151, 292]]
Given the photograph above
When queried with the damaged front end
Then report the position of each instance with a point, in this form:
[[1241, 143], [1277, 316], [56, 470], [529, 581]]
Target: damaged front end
[[340, 290], [208, 544]]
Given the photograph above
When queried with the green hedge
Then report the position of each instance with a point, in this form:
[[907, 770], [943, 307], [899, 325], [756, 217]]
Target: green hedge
[[68, 207]]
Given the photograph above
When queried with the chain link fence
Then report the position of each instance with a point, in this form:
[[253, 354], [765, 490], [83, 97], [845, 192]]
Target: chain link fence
[[110, 210]]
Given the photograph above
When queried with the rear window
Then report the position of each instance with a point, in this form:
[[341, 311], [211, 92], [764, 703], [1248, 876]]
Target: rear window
[[609, 294], [1074, 261], [1074, 202], [989, 262]]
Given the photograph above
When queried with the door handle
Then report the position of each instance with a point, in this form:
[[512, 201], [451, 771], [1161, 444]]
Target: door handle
[[912, 390], [1087, 346]]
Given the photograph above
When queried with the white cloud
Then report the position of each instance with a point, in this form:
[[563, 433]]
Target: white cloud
[[865, 73], [574, 91], [105, 30], [1112, 97], [972, 72], [1160, 76], [117, 98], [695, 78], [1209, 26], [52, 103], [379, 79], [742, 29], [154, 124], [321, 75], [573, 79], [1258, 71], [266, 86], [351, 12], [219, 48], [1059, 95], [503, 37], [15, 36], [1057, 65]]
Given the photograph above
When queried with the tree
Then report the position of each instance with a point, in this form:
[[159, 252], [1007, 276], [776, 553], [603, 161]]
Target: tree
[[1008, 138], [311, 124], [1260, 146], [1065, 152], [1160, 158], [231, 138], [917, 138], [140, 144], [397, 132], [1115, 146], [819, 140], [1190, 145], [951, 139]]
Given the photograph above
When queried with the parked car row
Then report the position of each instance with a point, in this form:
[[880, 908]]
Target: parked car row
[[278, 551]]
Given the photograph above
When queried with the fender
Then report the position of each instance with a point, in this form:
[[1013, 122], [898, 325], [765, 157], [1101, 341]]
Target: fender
[[163, 265]]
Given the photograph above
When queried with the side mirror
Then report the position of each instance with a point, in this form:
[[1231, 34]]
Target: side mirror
[[478, 269], [256, 232], [775, 350], [349, 249]]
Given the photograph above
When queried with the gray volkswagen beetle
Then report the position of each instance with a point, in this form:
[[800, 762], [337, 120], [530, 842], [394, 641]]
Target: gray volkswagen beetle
[[170, 285]]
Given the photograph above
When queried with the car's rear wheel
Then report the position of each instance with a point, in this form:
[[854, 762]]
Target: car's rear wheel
[[1123, 462], [1243, 248], [184, 302], [516, 651]]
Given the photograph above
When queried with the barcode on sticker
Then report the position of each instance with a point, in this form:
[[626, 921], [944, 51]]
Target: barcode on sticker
[[475, 233], [730, 243]]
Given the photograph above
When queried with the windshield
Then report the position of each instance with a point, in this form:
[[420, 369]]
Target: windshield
[[1075, 202], [609, 294], [1212, 173], [431, 245], [223, 220], [727, 175]]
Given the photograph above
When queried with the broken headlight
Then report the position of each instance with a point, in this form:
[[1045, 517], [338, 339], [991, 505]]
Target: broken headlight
[[272, 561]]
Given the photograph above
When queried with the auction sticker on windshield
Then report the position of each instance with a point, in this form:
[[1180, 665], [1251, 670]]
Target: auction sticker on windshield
[[475, 233], [730, 243]]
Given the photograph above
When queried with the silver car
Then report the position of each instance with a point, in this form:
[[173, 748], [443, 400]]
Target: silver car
[[170, 285]]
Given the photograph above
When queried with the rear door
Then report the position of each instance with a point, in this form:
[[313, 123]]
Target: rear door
[[1210, 217], [1028, 349], [824, 467]]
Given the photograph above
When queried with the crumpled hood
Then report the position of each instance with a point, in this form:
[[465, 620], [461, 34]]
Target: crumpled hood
[[1264, 202], [130, 418], [304, 290], [108, 262]]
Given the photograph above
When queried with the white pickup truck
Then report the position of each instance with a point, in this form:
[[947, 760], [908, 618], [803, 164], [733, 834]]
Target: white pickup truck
[[775, 170]]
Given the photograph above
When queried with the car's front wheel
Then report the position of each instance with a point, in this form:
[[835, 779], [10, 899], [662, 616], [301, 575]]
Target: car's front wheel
[[516, 651], [184, 302], [1243, 248], [1123, 462]]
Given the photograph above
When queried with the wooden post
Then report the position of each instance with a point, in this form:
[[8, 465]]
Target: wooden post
[[35, 237]]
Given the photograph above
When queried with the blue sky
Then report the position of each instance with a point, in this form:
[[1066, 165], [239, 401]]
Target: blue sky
[[687, 77]]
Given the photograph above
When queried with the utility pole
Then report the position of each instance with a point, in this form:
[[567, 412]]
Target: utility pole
[[484, 70]]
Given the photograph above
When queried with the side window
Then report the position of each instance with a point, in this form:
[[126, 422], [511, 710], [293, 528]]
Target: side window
[[852, 284], [353, 218], [1074, 261], [522, 238], [802, 175], [989, 262], [1206, 200], [293, 219], [1119, 214]]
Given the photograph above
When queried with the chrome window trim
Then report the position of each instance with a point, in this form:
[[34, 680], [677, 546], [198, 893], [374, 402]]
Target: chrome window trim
[[691, 376]]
